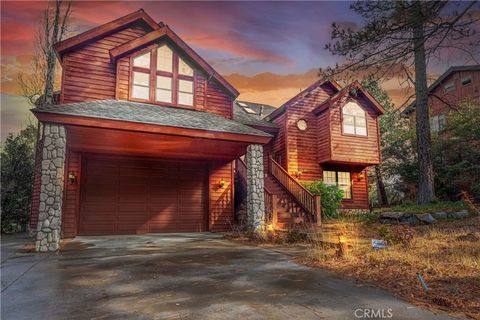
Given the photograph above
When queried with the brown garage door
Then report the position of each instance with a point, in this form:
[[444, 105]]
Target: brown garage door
[[121, 196]]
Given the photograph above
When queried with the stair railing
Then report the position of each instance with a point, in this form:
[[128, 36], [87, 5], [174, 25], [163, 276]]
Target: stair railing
[[305, 199], [241, 168]]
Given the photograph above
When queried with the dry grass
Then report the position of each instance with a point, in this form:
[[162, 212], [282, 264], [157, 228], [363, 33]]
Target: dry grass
[[446, 255]]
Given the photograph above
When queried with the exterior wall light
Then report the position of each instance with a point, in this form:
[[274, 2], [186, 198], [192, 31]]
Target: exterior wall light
[[72, 177], [221, 184], [361, 176]]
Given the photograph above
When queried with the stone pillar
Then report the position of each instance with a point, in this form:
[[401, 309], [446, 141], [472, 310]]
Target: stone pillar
[[255, 187], [51, 189]]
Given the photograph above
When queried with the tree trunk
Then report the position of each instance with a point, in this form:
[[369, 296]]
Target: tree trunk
[[425, 175], [381, 192]]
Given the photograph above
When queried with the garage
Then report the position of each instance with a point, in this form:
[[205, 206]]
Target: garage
[[134, 196]]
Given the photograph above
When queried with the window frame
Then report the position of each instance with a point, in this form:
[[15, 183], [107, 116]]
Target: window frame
[[449, 86], [153, 72], [354, 122], [337, 181], [466, 78]]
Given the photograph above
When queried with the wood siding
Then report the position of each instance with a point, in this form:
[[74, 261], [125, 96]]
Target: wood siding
[[88, 72], [324, 149], [71, 196], [302, 145], [221, 199], [347, 148]]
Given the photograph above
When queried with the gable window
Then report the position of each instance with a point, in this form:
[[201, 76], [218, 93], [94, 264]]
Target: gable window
[[340, 179], [354, 119], [449, 87], [466, 80], [161, 76], [141, 76]]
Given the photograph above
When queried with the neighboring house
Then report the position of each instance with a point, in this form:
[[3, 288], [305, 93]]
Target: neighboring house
[[454, 86], [146, 135]]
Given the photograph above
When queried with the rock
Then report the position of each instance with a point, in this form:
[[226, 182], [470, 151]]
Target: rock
[[460, 214], [426, 218], [440, 215], [392, 215], [410, 219]]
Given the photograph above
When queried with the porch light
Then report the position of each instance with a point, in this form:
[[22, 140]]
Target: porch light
[[221, 184], [72, 177], [361, 176]]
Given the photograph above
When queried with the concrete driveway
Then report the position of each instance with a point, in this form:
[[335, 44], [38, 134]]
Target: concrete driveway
[[180, 276]]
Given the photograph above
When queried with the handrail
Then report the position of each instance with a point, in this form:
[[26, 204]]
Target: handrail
[[309, 202], [268, 205]]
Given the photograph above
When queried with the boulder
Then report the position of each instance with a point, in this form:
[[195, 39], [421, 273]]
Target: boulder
[[426, 218], [392, 215], [460, 214], [440, 215]]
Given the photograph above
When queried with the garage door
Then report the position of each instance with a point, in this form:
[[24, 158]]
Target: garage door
[[121, 196]]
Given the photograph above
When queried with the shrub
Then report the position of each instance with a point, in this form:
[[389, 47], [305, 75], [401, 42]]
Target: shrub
[[18, 158], [331, 197]]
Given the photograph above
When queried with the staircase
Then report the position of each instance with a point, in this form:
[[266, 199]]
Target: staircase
[[288, 204]]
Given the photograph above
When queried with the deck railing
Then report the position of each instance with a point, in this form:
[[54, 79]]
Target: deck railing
[[309, 202]]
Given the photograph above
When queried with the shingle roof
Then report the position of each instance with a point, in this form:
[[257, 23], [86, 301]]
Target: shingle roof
[[437, 82], [152, 114], [253, 119]]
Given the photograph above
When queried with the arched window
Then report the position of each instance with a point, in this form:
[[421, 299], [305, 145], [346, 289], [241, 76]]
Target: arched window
[[169, 76], [354, 119]]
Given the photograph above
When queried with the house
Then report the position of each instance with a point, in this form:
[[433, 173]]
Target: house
[[458, 83], [147, 137]]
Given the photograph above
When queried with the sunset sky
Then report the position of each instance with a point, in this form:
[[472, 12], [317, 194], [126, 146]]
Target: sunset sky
[[267, 50]]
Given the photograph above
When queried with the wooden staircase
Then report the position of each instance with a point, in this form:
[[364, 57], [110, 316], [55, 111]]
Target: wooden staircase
[[288, 204]]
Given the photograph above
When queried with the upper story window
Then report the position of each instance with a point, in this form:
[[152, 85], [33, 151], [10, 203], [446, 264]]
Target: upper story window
[[466, 80], [449, 87], [354, 119], [161, 76]]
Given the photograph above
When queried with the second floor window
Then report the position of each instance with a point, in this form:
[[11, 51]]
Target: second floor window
[[354, 119], [449, 87], [162, 76]]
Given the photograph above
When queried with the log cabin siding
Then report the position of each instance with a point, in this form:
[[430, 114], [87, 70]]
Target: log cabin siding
[[324, 151], [301, 145], [221, 211], [217, 100], [89, 73], [71, 195], [347, 148]]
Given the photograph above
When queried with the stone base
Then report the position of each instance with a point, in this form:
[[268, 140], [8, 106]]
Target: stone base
[[352, 212]]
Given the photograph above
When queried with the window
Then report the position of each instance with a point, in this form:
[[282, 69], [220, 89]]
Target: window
[[340, 179], [164, 59], [184, 68], [141, 85], [466, 80], [437, 123], [157, 70], [302, 125], [354, 119], [164, 89], [185, 92], [449, 87]]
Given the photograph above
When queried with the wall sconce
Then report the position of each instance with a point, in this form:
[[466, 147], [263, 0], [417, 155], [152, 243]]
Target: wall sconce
[[72, 177], [361, 176], [221, 184]]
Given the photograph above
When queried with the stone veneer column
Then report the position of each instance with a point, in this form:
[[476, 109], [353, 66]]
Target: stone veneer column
[[255, 187], [51, 189]]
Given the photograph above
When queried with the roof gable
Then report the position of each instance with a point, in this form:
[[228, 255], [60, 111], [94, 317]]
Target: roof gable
[[354, 88], [303, 94], [166, 32], [107, 28], [440, 80]]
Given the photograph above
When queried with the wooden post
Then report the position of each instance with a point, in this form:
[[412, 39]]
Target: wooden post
[[274, 211], [318, 210]]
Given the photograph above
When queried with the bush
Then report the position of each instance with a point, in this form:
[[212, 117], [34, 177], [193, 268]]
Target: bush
[[18, 162], [331, 197]]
